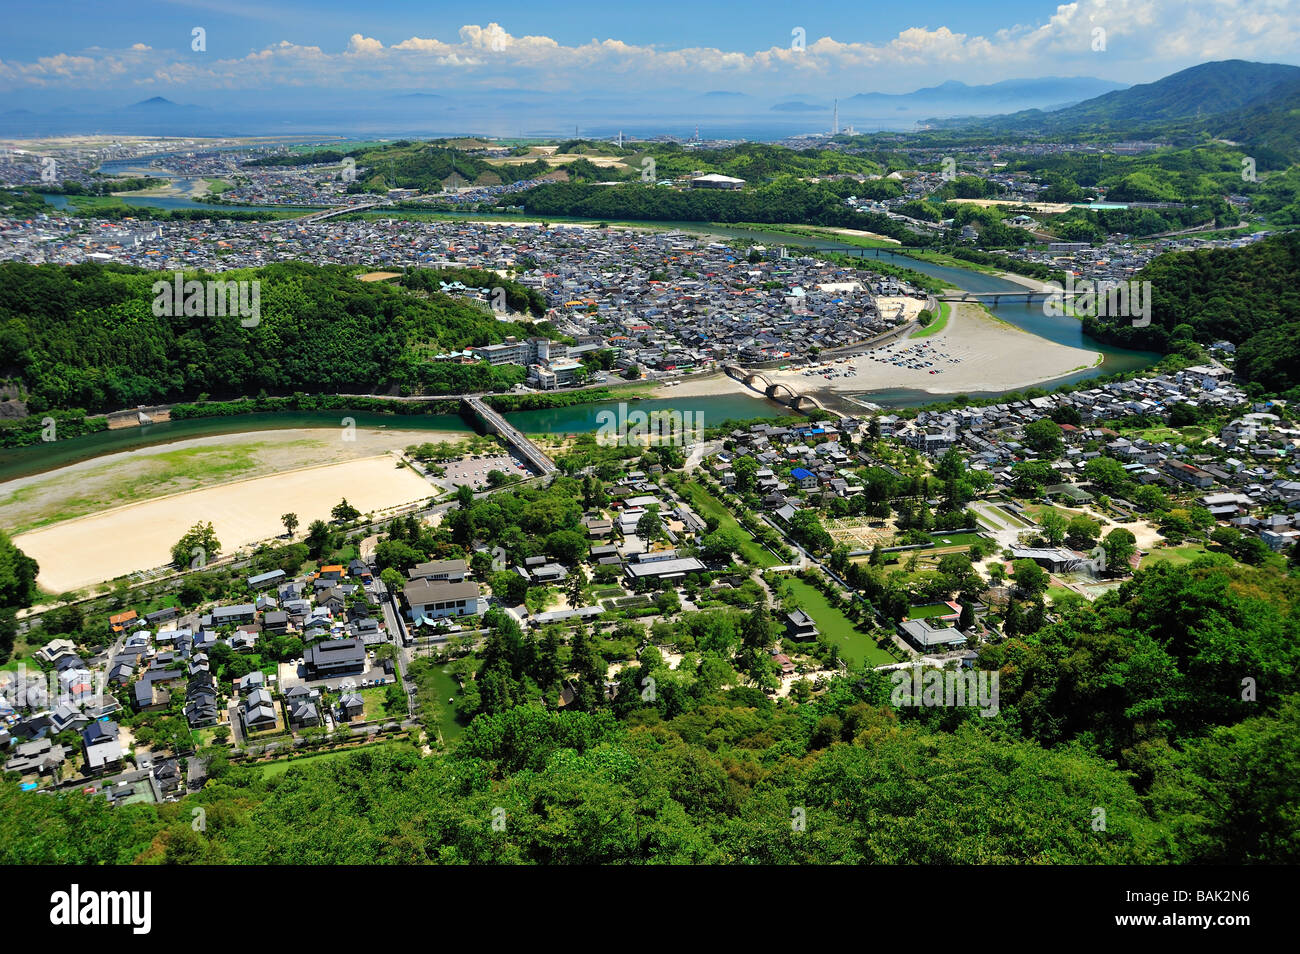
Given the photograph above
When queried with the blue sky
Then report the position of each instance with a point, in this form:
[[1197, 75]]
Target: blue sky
[[67, 52], [44, 29]]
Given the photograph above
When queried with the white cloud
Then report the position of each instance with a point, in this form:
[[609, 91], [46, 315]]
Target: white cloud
[[364, 45], [1145, 39]]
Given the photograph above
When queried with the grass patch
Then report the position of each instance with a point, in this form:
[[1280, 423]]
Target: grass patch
[[373, 700], [65, 497], [1055, 593], [929, 611], [855, 646], [936, 325], [22, 651], [1176, 555], [708, 506], [954, 539], [277, 768], [1010, 518], [437, 690], [1191, 434]]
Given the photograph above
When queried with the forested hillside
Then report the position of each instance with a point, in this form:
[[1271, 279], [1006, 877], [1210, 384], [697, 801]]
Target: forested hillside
[[409, 165], [1202, 90], [1249, 296], [1208, 98], [784, 200], [86, 336], [756, 161], [1124, 735]]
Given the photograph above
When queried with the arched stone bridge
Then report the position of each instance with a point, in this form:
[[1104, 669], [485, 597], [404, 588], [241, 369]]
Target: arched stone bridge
[[780, 393]]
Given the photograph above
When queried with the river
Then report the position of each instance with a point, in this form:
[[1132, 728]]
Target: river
[[37, 458], [710, 410]]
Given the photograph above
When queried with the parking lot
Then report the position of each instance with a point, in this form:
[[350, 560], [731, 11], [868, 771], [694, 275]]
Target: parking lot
[[474, 470], [293, 674]]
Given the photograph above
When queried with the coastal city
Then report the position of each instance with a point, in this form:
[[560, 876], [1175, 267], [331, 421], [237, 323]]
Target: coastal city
[[410, 457]]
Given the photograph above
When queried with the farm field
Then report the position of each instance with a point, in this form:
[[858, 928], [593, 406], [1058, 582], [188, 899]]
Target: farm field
[[859, 533]]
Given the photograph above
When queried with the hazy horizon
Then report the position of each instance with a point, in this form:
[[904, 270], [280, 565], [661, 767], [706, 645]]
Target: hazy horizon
[[516, 70]]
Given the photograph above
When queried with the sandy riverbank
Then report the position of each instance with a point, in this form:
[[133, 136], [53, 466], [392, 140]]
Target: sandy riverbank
[[1047, 208], [1025, 281], [88, 550], [973, 352], [114, 480], [702, 385], [859, 233]]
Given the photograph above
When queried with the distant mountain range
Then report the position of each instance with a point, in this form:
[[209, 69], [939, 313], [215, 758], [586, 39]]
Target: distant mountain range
[[1256, 103], [1234, 99], [955, 97], [154, 102]]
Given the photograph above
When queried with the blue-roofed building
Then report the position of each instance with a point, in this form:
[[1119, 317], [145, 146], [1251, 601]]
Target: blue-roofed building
[[804, 477]]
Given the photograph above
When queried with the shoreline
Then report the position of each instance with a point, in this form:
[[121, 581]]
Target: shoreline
[[98, 485], [98, 547], [974, 352]]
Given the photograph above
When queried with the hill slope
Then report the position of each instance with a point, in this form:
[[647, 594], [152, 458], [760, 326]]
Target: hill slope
[[1245, 295], [1234, 99], [87, 336], [1199, 91]]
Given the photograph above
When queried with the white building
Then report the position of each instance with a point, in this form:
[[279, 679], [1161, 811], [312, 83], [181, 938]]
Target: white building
[[432, 599]]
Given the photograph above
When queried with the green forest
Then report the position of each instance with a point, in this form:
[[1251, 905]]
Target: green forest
[[86, 337], [784, 200], [408, 165], [1247, 295]]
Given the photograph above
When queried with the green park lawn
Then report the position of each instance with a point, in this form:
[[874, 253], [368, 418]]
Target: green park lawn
[[1176, 555], [710, 508], [855, 647], [954, 539], [929, 612]]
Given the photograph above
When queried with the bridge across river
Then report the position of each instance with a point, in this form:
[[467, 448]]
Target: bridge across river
[[330, 213], [781, 393], [996, 297], [497, 424]]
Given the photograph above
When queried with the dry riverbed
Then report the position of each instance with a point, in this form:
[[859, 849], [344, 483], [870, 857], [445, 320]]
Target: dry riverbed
[[97, 519]]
